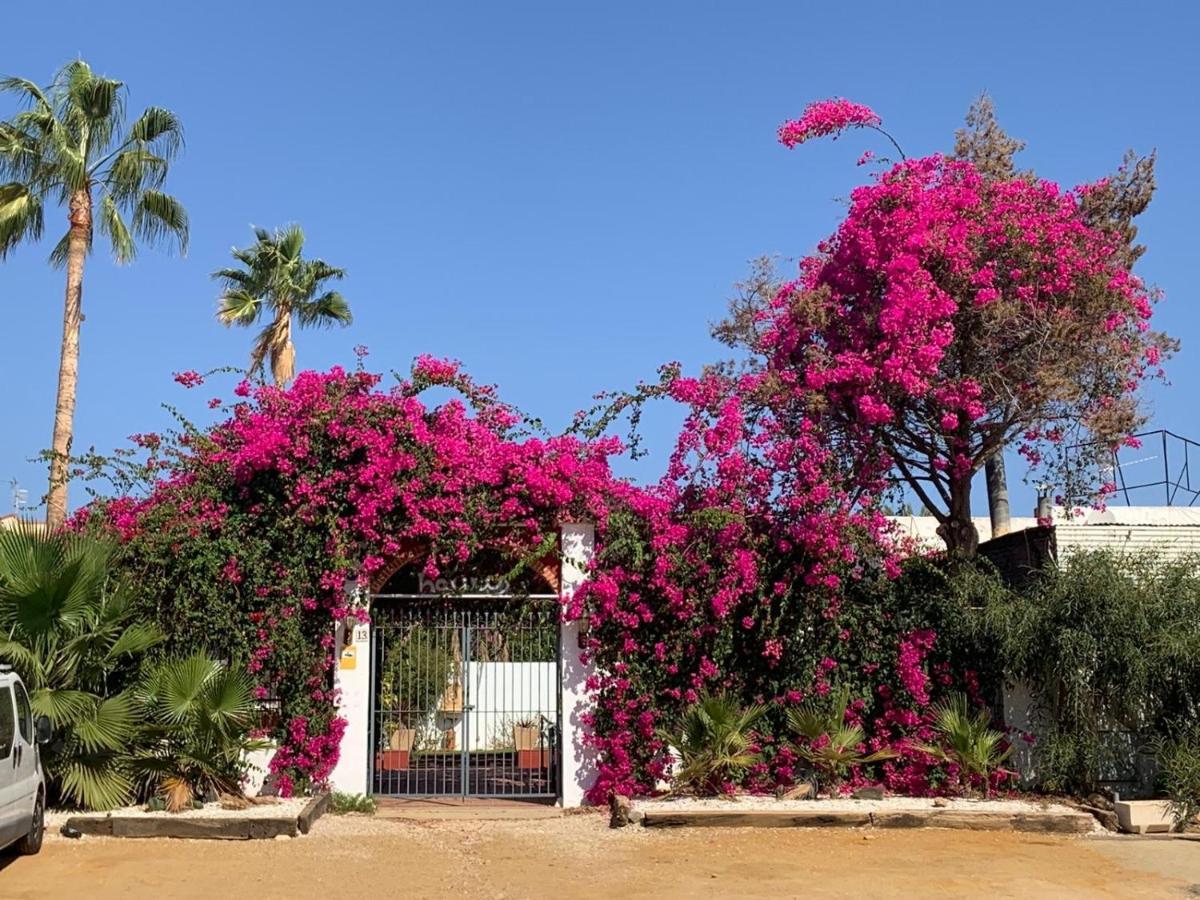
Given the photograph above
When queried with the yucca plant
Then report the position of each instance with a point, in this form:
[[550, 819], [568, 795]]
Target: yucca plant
[[828, 744], [199, 715], [715, 743], [65, 627], [968, 741]]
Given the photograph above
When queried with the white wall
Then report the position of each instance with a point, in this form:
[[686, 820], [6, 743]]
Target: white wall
[[353, 683], [579, 768]]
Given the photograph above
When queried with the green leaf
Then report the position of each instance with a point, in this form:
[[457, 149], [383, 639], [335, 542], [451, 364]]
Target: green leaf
[[113, 226]]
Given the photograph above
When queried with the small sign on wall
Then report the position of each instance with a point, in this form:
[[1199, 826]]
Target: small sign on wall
[[349, 659]]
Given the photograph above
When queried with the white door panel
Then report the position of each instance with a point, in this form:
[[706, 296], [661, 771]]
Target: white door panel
[[25, 771], [10, 790]]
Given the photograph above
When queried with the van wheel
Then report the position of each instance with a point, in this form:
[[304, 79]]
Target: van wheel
[[32, 842]]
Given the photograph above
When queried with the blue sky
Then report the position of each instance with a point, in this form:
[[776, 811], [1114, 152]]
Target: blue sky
[[558, 194]]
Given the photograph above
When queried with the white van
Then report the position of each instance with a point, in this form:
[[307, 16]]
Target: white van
[[22, 784]]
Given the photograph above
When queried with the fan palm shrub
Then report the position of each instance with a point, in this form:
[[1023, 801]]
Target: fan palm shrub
[[968, 741], [69, 145], [828, 743], [65, 628], [275, 281], [199, 714], [715, 743]]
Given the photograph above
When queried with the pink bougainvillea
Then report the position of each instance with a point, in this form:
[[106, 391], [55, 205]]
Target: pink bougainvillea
[[822, 118]]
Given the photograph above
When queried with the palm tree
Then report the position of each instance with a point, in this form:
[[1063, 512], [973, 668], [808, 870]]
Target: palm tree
[[276, 278], [829, 744], [715, 742], [69, 145], [65, 627], [968, 741], [200, 713]]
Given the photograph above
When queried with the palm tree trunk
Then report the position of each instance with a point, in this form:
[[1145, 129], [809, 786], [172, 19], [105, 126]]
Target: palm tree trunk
[[68, 364], [997, 491], [283, 351]]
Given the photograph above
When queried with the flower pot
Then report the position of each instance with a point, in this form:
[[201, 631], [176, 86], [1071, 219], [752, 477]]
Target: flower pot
[[402, 739], [1144, 816], [391, 760], [526, 737], [538, 758]]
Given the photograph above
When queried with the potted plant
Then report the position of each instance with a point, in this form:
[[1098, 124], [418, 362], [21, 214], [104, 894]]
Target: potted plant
[[400, 744], [527, 738]]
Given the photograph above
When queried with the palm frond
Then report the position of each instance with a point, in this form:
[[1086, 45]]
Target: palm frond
[[160, 129], [238, 307], [109, 727], [97, 782], [114, 228], [134, 640], [160, 218], [326, 310], [21, 216], [29, 92], [133, 171], [62, 706]]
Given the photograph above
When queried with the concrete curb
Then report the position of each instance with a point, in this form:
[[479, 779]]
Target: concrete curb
[[1037, 822], [226, 828]]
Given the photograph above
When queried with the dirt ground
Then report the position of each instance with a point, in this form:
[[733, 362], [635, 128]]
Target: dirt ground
[[579, 857]]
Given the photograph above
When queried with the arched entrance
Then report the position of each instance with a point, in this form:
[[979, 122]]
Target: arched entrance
[[466, 685]]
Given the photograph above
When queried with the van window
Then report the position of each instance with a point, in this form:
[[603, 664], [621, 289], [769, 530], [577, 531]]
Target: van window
[[24, 713], [8, 724]]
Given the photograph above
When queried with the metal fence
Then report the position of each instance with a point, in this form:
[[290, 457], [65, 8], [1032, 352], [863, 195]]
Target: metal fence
[[466, 696]]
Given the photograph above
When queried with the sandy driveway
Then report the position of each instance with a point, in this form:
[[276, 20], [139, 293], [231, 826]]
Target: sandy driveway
[[579, 857]]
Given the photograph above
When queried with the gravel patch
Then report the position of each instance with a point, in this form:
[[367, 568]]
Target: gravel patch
[[846, 804]]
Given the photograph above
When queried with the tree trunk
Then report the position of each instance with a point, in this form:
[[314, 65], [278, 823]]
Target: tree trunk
[[68, 364], [283, 351], [958, 531], [997, 490]]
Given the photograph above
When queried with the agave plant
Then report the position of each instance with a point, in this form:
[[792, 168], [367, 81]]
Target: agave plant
[[830, 745], [64, 627], [715, 743], [199, 715], [968, 741]]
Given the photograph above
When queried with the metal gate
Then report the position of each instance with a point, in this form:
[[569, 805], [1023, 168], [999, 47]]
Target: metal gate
[[466, 697]]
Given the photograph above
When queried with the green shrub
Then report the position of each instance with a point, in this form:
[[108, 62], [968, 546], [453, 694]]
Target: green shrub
[[968, 741], [199, 714], [343, 803], [827, 742], [1107, 642], [715, 744], [1178, 759], [68, 633]]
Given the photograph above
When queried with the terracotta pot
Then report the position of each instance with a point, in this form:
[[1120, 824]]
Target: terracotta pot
[[533, 759], [391, 760]]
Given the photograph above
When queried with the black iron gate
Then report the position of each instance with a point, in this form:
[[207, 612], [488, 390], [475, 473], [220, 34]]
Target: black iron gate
[[466, 697]]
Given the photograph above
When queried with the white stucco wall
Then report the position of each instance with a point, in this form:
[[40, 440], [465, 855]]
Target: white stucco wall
[[353, 683], [578, 761]]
